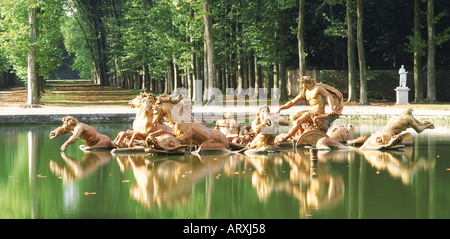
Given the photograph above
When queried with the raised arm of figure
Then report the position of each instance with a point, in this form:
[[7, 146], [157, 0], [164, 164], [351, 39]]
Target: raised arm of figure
[[77, 131], [291, 103]]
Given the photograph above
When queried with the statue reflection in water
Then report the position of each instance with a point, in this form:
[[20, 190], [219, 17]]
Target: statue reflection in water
[[397, 163], [311, 184], [74, 169], [265, 175], [167, 181]]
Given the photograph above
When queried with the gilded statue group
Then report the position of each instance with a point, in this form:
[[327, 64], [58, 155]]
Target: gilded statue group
[[165, 124]]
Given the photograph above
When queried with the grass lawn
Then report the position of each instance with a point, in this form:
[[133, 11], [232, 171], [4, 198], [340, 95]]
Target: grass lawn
[[70, 93], [77, 93]]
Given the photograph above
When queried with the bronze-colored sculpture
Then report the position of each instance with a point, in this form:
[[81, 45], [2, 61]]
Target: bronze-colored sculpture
[[326, 143], [186, 128], [246, 138], [82, 131], [393, 135], [316, 95], [229, 126], [338, 137], [143, 124], [265, 128], [166, 143], [384, 140], [404, 121], [342, 133]]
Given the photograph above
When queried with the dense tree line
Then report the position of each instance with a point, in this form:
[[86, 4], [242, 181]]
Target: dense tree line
[[162, 45]]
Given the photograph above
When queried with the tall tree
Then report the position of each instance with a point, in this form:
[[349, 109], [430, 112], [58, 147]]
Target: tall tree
[[352, 93], [90, 15], [301, 39], [31, 41], [431, 81], [361, 54], [209, 47], [33, 88], [418, 92]]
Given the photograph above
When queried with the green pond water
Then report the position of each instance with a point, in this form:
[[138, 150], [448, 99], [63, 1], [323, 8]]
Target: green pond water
[[38, 181]]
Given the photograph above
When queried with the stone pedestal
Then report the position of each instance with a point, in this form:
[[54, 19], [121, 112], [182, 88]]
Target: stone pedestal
[[402, 95]]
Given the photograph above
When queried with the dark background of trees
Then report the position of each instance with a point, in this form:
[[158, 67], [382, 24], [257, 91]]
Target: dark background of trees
[[160, 45]]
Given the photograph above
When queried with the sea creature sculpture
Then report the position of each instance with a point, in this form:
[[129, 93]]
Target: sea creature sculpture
[[406, 120], [326, 143], [166, 143], [394, 135], [342, 133], [384, 140]]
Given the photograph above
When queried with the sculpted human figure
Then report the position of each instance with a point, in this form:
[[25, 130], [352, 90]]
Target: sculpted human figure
[[402, 72], [229, 126], [247, 137], [265, 127], [317, 96], [394, 134], [406, 120], [82, 131]]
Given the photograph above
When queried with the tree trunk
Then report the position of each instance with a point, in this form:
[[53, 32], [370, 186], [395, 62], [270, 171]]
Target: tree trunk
[[232, 59], [33, 87], [209, 37], [276, 82], [205, 71], [176, 77], [361, 55], [258, 78], [251, 71], [240, 78], [352, 89], [300, 38], [197, 82], [431, 80], [100, 47], [283, 81], [145, 78], [169, 79], [418, 92], [269, 84]]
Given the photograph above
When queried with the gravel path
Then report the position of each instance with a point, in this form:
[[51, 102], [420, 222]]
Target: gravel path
[[348, 110], [49, 114]]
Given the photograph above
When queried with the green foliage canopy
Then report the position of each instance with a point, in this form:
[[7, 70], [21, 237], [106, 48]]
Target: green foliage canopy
[[14, 40]]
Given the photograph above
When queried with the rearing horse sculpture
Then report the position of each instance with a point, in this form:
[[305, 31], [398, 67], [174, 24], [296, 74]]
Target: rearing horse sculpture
[[143, 124], [186, 128]]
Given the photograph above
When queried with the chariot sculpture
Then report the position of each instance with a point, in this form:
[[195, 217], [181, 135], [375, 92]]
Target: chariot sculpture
[[311, 125]]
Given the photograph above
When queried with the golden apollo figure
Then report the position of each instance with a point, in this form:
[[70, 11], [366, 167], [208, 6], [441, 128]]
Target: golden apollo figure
[[317, 95]]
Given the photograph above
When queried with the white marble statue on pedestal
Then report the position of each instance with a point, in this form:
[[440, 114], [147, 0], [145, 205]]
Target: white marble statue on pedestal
[[402, 73], [402, 89]]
